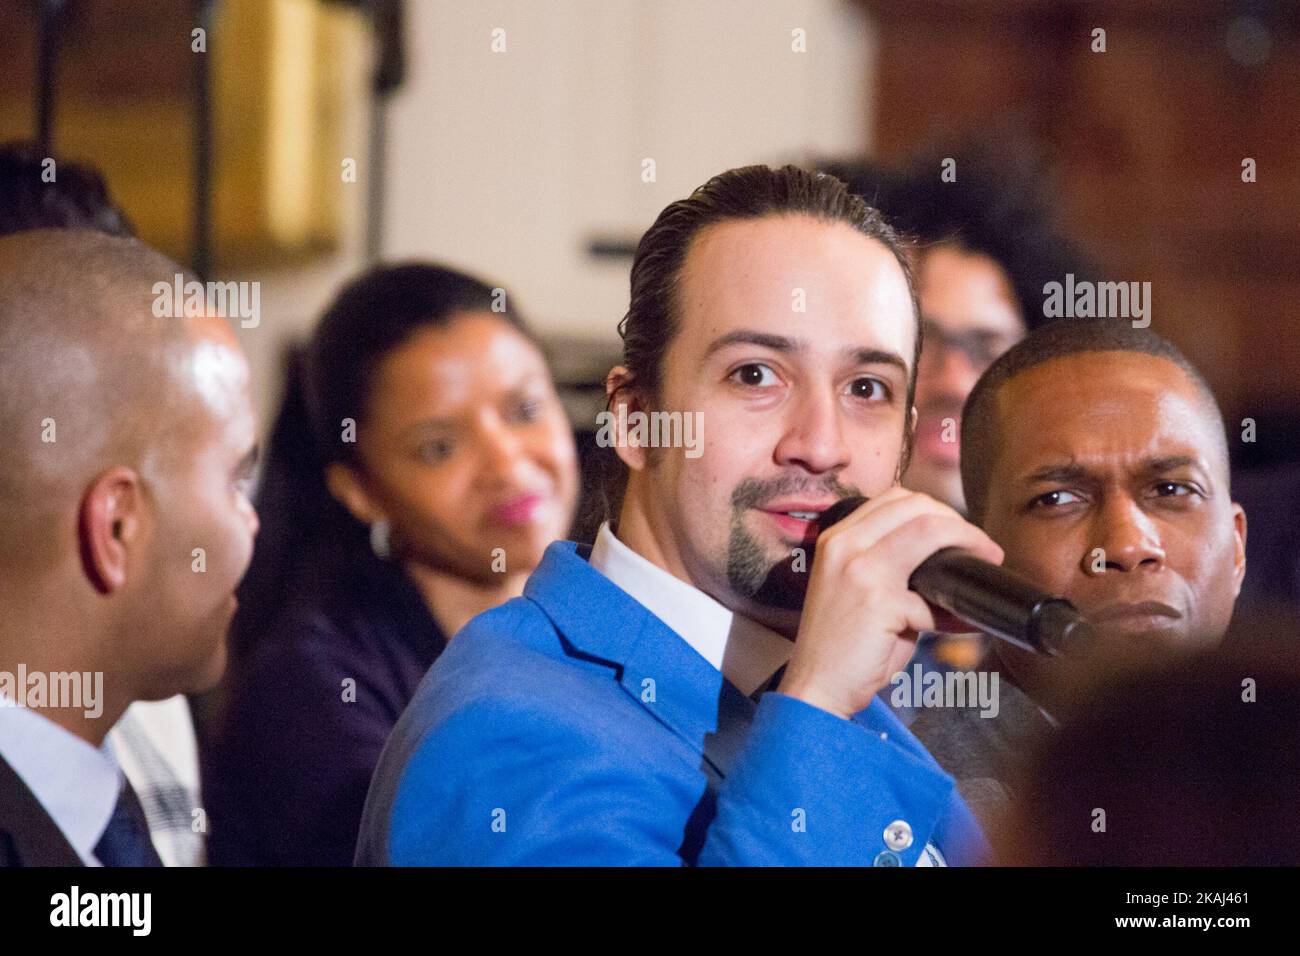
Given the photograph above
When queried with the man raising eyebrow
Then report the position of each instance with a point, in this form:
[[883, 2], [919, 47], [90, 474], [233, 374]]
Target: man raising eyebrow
[[1095, 455]]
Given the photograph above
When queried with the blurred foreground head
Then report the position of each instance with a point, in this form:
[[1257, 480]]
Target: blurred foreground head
[[1193, 763], [124, 525]]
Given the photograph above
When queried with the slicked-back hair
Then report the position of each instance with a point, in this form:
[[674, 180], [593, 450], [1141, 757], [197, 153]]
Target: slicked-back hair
[[745, 193], [980, 426]]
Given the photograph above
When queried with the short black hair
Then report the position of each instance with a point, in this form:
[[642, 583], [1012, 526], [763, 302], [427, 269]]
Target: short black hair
[[1000, 205], [77, 197], [980, 429]]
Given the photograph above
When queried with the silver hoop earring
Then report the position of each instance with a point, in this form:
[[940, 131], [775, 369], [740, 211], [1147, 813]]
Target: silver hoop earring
[[381, 539]]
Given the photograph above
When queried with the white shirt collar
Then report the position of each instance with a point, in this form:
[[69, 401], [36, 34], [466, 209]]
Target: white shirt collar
[[75, 783], [746, 652]]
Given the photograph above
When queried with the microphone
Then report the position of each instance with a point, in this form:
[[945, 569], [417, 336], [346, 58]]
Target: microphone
[[993, 599]]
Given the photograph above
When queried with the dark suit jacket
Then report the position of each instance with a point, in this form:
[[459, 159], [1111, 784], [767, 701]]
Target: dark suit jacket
[[984, 754], [28, 835]]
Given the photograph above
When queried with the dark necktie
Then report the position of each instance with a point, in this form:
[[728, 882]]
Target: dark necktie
[[126, 838], [771, 684]]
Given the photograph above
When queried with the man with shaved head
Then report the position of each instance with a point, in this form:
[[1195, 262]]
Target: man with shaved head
[[154, 742], [1094, 454], [124, 528]]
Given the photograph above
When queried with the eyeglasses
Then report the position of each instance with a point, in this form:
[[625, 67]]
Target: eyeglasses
[[980, 346]]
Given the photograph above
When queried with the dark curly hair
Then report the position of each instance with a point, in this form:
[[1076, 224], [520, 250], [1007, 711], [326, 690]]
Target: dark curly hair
[[999, 205], [76, 198]]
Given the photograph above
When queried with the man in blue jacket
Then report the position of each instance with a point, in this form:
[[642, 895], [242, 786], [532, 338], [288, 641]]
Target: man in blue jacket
[[693, 689]]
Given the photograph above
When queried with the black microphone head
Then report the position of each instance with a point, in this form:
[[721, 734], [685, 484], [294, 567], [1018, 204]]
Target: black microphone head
[[839, 511], [785, 586]]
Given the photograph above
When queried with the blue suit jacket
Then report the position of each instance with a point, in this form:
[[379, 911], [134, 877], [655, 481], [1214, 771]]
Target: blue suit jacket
[[569, 726]]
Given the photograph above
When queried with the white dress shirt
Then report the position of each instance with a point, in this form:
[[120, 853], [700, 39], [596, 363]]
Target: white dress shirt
[[747, 653], [76, 783]]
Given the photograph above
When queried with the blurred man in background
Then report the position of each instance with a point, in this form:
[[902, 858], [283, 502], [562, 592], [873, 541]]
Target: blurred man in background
[[45, 192]]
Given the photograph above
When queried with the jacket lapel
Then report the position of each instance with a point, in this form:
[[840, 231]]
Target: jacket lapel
[[28, 836], [653, 664]]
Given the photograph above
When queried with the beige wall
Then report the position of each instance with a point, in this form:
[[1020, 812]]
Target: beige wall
[[507, 164]]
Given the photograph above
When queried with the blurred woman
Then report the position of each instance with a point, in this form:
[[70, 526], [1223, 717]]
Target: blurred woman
[[418, 469]]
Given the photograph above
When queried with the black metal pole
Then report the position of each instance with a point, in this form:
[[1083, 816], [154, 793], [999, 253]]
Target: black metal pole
[[375, 192], [47, 60], [201, 257], [388, 18]]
